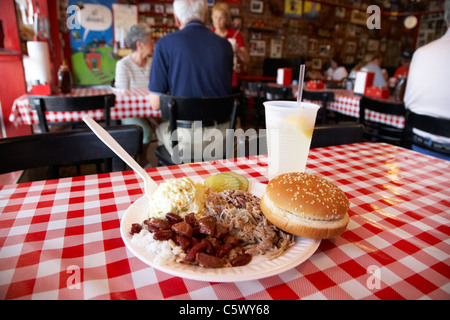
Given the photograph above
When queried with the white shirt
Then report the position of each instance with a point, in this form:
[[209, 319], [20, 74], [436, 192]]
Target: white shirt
[[427, 89], [129, 75], [338, 74]]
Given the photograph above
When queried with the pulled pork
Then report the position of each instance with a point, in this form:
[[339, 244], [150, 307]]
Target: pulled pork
[[240, 213]]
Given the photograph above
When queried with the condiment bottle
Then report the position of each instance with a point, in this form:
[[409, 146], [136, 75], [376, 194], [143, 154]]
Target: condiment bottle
[[64, 78], [399, 91]]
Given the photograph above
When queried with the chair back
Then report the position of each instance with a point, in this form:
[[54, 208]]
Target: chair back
[[279, 93], [207, 110], [334, 135], [64, 148], [378, 132], [63, 103], [255, 90], [432, 125], [323, 96]]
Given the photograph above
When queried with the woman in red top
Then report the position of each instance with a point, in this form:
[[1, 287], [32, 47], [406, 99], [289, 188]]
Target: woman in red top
[[221, 18]]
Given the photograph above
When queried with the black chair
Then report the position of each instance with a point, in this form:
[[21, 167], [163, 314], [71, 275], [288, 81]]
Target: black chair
[[335, 135], [323, 136], [432, 125], [379, 132], [208, 110], [279, 93], [255, 91], [324, 97], [66, 148], [60, 103]]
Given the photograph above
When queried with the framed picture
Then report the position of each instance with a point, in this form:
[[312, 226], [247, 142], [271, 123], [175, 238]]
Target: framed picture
[[324, 50], [312, 46], [317, 64], [276, 48], [373, 45], [358, 17], [350, 47], [258, 48], [256, 6]]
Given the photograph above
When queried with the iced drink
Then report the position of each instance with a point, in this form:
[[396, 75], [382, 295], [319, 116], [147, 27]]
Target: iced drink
[[289, 131]]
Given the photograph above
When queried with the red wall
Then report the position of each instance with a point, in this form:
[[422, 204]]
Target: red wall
[[12, 77]]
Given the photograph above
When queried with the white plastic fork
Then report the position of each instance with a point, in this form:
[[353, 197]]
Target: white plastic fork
[[149, 184]]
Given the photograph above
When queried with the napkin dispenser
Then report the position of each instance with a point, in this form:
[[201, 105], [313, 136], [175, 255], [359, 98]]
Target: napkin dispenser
[[363, 80], [315, 84], [375, 92], [284, 76], [41, 89]]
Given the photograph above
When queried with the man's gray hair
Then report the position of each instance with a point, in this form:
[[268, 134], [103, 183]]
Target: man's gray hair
[[137, 32], [186, 10]]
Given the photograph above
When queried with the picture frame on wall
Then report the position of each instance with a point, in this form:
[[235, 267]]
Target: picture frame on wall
[[258, 48], [317, 64], [256, 6], [358, 17]]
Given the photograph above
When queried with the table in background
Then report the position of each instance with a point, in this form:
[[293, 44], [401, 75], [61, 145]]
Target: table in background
[[130, 103], [346, 102], [396, 245]]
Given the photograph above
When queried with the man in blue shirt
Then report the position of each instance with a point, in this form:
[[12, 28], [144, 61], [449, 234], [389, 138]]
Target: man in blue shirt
[[191, 62]]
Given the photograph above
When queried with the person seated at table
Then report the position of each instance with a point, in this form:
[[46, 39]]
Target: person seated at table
[[336, 71], [221, 18], [405, 61], [133, 71], [427, 86], [192, 62], [371, 63], [374, 65]]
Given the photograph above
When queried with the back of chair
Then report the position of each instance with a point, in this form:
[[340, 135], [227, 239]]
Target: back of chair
[[254, 90], [323, 96], [63, 103], [334, 135], [207, 110], [432, 125], [65, 148], [378, 132], [279, 93]]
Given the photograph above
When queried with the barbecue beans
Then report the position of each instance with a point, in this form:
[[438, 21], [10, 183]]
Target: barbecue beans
[[205, 242]]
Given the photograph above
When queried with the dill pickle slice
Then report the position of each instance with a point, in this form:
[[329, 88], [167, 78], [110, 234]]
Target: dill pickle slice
[[221, 181], [243, 182]]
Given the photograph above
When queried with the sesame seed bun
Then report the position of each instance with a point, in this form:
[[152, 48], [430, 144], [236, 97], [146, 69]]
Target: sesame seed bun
[[306, 205]]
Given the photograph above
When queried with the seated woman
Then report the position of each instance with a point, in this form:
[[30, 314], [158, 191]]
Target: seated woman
[[336, 71], [133, 71]]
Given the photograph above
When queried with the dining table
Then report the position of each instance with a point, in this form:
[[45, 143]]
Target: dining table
[[61, 239], [130, 103]]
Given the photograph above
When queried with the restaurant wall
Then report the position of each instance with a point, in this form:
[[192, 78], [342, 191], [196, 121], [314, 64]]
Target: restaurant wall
[[12, 79], [319, 30]]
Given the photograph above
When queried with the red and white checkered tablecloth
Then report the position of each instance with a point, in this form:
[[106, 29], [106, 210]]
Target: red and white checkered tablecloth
[[347, 103], [397, 245], [130, 103]]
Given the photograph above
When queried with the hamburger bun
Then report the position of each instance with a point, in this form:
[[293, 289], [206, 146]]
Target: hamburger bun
[[306, 205]]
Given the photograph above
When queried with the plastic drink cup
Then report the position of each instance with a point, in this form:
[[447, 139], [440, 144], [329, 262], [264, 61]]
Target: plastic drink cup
[[289, 129]]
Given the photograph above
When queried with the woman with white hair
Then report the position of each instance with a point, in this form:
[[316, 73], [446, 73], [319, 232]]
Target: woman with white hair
[[133, 71]]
